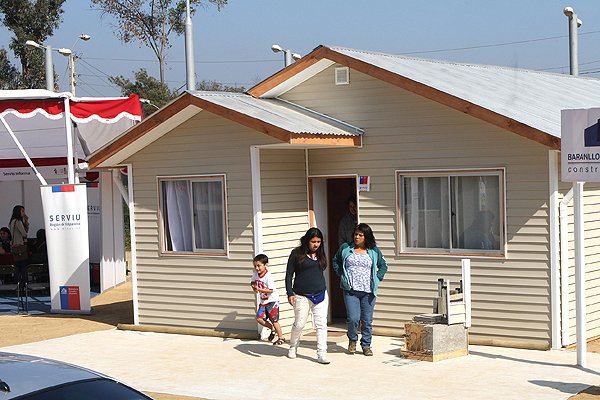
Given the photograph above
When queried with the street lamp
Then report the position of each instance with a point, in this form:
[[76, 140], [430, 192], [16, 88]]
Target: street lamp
[[49, 67], [65, 52], [69, 54], [288, 55]]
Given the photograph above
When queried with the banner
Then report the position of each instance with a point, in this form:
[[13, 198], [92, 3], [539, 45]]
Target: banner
[[66, 223], [580, 145]]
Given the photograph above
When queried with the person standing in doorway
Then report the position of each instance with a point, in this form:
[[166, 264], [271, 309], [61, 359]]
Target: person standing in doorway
[[348, 222], [307, 291], [360, 266]]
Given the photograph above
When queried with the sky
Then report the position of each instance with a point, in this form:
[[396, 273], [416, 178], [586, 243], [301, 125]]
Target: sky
[[233, 46]]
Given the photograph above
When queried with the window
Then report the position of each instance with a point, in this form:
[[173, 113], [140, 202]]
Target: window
[[193, 214], [451, 212]]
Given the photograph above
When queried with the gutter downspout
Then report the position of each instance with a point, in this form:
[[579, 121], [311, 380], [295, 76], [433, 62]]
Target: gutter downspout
[[564, 265], [554, 249]]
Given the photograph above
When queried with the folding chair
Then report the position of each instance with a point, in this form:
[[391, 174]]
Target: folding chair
[[38, 280]]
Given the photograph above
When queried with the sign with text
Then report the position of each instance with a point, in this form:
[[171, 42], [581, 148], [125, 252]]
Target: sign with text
[[66, 223], [580, 145], [27, 174], [364, 184]]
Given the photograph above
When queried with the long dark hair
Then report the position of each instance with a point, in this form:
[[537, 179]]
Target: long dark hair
[[16, 214], [368, 233], [301, 251]]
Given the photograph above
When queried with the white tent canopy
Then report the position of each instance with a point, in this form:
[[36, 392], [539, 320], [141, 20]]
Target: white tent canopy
[[38, 120]]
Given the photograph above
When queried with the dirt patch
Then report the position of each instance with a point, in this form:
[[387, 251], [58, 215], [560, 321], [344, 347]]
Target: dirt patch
[[108, 309]]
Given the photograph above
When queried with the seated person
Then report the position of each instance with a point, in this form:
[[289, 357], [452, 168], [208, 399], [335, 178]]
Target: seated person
[[5, 238], [39, 251]]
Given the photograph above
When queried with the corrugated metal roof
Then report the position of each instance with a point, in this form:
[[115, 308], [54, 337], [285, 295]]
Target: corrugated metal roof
[[534, 98], [280, 113]]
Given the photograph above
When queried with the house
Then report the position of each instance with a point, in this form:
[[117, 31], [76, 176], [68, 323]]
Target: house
[[433, 149]]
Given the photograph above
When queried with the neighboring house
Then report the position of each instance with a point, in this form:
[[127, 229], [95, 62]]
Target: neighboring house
[[461, 161]]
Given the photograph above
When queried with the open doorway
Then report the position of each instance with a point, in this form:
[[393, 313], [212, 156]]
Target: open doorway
[[328, 205]]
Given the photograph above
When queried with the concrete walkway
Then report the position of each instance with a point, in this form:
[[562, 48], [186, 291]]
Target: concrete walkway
[[216, 368]]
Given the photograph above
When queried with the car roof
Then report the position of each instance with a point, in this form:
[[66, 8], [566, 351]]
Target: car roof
[[26, 374]]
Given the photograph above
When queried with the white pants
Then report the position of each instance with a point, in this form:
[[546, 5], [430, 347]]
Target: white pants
[[301, 309]]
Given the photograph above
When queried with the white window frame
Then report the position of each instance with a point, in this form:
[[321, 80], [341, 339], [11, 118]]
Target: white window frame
[[197, 251], [401, 247]]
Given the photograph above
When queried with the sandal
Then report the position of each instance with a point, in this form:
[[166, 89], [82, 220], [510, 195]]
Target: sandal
[[271, 336], [279, 342]]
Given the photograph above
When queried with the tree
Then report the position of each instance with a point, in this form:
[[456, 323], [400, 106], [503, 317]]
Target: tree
[[150, 22], [30, 20], [215, 86], [148, 88], [9, 76]]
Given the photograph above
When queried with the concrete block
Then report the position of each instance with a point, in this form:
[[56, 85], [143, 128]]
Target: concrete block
[[435, 342]]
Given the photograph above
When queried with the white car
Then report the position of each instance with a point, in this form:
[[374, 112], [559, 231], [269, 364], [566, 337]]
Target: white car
[[35, 378]]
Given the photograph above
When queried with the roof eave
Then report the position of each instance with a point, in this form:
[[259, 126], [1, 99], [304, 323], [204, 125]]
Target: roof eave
[[99, 158], [403, 82]]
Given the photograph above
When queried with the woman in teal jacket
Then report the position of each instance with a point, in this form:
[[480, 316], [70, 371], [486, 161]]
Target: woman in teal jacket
[[360, 266]]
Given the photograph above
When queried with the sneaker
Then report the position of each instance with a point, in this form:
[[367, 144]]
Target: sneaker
[[271, 336], [352, 347], [323, 359], [367, 351], [292, 352]]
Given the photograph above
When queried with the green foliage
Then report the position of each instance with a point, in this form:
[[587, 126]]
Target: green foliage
[[215, 86], [30, 20], [9, 76], [146, 87], [150, 22]]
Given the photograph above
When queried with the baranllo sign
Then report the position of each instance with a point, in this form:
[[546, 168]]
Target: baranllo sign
[[580, 145]]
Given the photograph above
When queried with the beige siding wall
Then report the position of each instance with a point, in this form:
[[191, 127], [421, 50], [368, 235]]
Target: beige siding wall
[[285, 214], [592, 261], [511, 296], [197, 291]]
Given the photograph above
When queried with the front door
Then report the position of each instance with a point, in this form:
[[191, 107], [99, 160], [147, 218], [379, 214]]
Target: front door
[[329, 203]]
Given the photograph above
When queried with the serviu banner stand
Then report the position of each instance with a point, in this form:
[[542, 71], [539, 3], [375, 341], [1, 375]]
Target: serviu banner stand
[[66, 223]]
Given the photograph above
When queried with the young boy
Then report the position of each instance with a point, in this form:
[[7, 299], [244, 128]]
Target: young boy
[[263, 283]]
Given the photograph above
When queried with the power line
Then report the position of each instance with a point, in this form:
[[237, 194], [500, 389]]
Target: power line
[[183, 61], [497, 44]]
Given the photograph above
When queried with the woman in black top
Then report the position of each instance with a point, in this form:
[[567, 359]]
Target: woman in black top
[[306, 290]]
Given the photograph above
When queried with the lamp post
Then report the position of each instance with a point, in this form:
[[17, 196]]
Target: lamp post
[[574, 23], [579, 233], [49, 66], [288, 55]]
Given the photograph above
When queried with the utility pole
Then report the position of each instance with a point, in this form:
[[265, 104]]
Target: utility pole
[[72, 73]]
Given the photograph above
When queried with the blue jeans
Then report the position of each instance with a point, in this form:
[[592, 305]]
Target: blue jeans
[[359, 307]]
